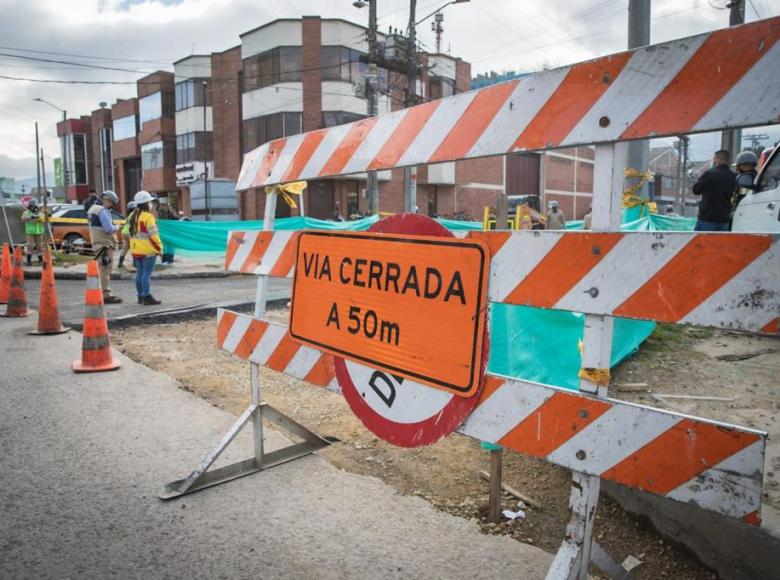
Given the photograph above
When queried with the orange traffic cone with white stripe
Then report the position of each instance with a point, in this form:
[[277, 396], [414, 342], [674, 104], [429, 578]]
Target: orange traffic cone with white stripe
[[17, 299], [95, 348], [48, 309], [5, 274]]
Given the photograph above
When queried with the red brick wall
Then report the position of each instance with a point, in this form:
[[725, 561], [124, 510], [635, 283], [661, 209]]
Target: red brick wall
[[473, 201], [226, 112], [559, 173], [124, 107], [157, 81], [157, 130], [485, 170], [126, 148], [119, 182], [462, 76], [584, 177], [311, 77], [159, 180]]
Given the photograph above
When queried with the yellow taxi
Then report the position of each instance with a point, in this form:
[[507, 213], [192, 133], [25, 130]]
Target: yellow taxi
[[70, 228]]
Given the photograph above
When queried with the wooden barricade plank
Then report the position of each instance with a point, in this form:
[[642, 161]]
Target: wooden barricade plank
[[714, 465], [603, 100], [718, 280]]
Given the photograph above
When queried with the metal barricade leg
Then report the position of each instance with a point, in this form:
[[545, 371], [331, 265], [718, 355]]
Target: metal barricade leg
[[575, 554], [201, 478]]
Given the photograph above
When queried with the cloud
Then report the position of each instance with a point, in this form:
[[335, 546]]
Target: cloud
[[146, 35]]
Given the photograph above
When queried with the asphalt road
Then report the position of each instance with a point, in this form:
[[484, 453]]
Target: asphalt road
[[175, 294], [83, 457]]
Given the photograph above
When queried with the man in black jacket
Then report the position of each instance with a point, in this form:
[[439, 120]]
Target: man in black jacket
[[715, 186]]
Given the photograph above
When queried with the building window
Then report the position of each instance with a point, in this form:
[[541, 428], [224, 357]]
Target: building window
[[153, 155], [269, 127], [191, 93], [155, 106], [195, 146], [340, 63], [331, 118], [77, 159], [106, 159], [125, 128], [440, 87], [278, 65]]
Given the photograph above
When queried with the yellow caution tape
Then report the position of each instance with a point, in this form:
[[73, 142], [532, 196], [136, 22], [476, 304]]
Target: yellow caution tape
[[596, 376], [629, 197], [287, 190]]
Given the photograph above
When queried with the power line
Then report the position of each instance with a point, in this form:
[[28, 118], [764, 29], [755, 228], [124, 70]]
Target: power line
[[512, 51], [91, 56]]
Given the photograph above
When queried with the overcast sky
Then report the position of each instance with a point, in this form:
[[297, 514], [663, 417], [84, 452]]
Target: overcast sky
[[145, 35]]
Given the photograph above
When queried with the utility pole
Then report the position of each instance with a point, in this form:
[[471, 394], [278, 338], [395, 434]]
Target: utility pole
[[639, 35], [372, 183], [37, 157], [731, 139], [682, 166], [437, 27], [206, 192], [410, 173]]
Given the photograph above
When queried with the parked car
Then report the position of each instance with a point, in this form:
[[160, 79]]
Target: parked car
[[70, 228], [760, 211]]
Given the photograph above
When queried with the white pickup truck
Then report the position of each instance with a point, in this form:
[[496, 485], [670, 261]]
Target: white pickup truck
[[759, 211]]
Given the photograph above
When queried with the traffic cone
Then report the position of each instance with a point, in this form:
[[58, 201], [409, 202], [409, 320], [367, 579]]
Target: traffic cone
[[5, 274], [48, 309], [95, 348], [17, 300]]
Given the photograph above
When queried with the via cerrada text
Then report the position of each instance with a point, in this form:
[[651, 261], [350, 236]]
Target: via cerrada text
[[386, 276]]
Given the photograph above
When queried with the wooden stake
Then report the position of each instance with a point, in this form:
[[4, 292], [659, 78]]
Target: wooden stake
[[494, 503]]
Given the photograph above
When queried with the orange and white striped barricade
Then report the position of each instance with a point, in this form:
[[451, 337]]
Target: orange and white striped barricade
[[257, 411], [717, 280]]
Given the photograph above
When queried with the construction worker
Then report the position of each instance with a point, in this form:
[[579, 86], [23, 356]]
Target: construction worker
[[525, 221], [555, 217], [102, 232], [669, 211], [747, 162], [587, 221], [34, 228], [715, 186], [145, 246], [126, 234]]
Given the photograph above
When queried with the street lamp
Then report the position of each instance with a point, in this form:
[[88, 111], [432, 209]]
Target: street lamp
[[439, 9], [65, 141]]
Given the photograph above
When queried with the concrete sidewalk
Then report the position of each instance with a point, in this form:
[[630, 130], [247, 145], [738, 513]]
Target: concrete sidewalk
[[183, 267], [82, 458], [176, 295]]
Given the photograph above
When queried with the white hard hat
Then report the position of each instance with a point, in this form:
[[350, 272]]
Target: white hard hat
[[142, 197], [130, 205], [110, 195]]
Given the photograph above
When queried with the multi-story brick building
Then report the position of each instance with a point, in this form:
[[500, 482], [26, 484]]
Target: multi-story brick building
[[75, 142], [157, 133], [295, 75], [126, 151]]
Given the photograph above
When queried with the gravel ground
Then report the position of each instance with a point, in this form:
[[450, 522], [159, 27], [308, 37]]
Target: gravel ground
[[446, 474]]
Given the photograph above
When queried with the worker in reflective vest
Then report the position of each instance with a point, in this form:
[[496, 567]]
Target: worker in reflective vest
[[33, 228], [102, 231], [145, 246]]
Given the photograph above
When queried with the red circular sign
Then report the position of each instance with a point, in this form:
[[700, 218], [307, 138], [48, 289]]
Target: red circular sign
[[400, 410]]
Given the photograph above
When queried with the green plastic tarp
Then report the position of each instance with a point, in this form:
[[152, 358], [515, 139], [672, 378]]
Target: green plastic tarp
[[527, 343]]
